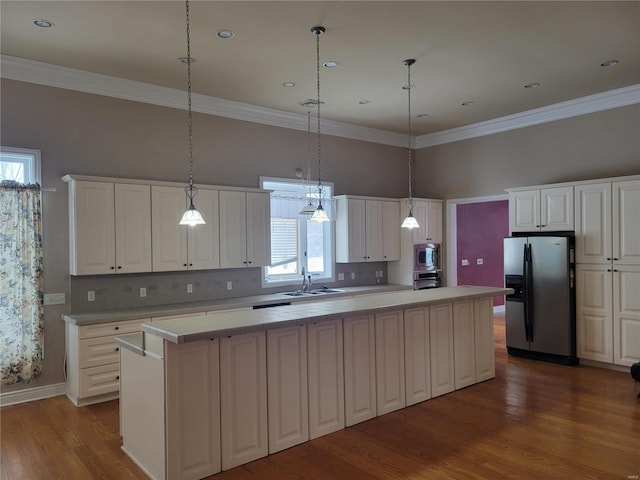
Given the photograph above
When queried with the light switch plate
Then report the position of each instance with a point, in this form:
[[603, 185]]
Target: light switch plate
[[189, 288], [465, 262], [91, 296], [229, 285], [341, 276], [54, 298], [480, 261], [143, 292]]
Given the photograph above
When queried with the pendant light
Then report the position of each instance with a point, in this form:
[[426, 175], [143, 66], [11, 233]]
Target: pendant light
[[410, 221], [319, 215], [191, 216], [309, 208]]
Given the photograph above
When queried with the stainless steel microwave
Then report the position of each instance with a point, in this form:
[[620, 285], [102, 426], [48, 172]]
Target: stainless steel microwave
[[426, 257]]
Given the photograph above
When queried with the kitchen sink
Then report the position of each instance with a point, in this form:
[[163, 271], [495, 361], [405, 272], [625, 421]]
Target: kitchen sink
[[327, 290], [320, 291]]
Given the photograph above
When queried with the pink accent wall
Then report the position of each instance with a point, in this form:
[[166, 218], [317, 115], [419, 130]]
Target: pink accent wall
[[481, 229]]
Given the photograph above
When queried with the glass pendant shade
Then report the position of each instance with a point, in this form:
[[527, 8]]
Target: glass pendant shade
[[309, 209], [319, 215], [410, 222], [192, 217]]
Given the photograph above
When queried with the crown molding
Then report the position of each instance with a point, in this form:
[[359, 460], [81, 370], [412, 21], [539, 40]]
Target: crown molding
[[572, 108], [15, 68]]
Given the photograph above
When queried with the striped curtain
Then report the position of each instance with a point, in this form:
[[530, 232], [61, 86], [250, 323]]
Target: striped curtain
[[21, 280]]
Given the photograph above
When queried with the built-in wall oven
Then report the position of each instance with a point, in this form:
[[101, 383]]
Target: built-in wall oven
[[427, 272]]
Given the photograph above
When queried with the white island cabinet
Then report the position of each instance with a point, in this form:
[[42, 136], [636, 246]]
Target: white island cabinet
[[208, 393]]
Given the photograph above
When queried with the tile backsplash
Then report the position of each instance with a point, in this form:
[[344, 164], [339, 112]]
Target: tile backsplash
[[118, 292]]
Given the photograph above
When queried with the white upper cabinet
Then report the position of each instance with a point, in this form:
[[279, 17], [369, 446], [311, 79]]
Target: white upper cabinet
[[367, 229], [245, 229], [546, 210], [109, 227], [428, 213], [608, 223], [181, 247]]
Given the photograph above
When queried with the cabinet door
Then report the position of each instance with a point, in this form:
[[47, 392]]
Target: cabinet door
[[351, 230], [416, 354], [464, 355], [326, 378], [243, 398], [594, 322], [390, 387], [91, 222], [193, 408], [484, 339], [593, 223], [626, 314], [441, 349], [374, 232], [287, 387], [203, 248], [258, 229], [434, 222], [421, 214], [391, 230], [556, 209], [169, 238], [233, 229], [359, 369], [133, 228], [524, 211], [626, 222]]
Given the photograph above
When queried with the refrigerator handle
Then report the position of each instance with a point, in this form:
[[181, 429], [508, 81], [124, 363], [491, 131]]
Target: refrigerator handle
[[529, 293], [525, 288]]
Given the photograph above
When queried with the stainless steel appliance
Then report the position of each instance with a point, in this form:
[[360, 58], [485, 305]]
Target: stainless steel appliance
[[540, 314], [427, 272]]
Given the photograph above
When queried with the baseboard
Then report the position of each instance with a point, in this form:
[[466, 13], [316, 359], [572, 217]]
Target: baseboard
[[608, 366], [498, 308], [31, 394]]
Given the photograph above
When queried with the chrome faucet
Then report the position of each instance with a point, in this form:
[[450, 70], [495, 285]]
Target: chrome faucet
[[305, 286]]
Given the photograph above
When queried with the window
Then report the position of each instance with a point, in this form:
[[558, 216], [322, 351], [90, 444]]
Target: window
[[19, 165], [295, 243]]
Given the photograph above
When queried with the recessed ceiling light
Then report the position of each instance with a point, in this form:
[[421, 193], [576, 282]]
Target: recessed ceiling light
[[422, 115], [609, 63], [226, 34], [42, 23], [331, 64], [468, 103], [531, 85], [364, 102], [288, 84], [187, 60]]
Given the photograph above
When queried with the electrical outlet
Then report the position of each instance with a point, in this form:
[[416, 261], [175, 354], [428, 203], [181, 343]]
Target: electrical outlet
[[341, 276], [189, 288], [465, 262], [91, 296], [353, 275], [229, 285], [143, 292], [479, 261], [54, 298]]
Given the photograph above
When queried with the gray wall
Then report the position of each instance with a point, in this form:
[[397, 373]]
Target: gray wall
[[93, 135], [602, 144]]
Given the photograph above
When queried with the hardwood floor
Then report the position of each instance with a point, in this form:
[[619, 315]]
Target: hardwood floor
[[535, 420]]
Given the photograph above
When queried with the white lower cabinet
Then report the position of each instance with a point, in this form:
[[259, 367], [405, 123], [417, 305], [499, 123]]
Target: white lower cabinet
[[441, 349], [193, 409], [390, 368], [417, 358], [484, 339], [359, 369], [243, 398], [287, 400], [464, 344], [325, 367], [626, 315]]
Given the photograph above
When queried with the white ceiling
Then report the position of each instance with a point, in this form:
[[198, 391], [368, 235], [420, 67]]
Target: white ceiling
[[479, 51]]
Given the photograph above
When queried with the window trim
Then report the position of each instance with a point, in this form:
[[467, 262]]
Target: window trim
[[289, 280], [34, 172]]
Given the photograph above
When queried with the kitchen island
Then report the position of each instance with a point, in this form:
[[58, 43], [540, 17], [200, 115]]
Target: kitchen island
[[203, 394]]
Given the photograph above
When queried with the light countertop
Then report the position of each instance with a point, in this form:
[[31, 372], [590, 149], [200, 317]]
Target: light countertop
[[217, 324]]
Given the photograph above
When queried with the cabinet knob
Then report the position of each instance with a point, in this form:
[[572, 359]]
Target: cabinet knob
[[117, 349], [249, 261], [615, 259], [608, 258], [118, 377], [615, 269], [191, 264], [184, 264], [112, 267], [119, 267], [116, 328]]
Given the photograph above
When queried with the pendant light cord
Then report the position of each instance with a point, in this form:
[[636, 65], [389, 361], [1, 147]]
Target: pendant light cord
[[408, 62], [189, 115], [318, 31]]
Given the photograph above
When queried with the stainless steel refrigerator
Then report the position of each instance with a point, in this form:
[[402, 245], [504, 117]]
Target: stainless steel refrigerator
[[540, 314]]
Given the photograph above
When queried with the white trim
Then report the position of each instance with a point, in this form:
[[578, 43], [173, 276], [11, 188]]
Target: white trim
[[30, 71], [31, 394], [572, 108], [15, 68]]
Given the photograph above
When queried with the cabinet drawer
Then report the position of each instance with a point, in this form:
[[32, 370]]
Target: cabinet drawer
[[93, 352], [112, 328], [99, 380]]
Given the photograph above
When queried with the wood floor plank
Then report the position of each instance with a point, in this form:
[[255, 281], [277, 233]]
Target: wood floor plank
[[534, 421]]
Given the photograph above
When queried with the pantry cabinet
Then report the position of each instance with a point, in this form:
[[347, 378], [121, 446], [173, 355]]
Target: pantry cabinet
[[367, 229], [93, 360], [182, 247], [545, 209], [243, 398], [109, 227], [245, 229], [359, 369]]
